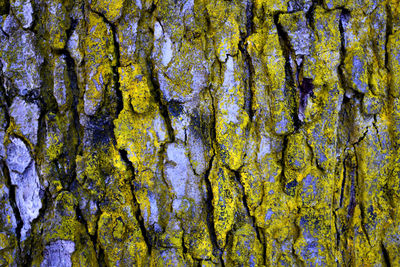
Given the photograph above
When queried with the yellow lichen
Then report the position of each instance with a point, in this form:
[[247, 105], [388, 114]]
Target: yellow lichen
[[134, 86]]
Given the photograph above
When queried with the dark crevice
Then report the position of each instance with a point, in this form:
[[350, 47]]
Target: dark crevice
[[361, 138], [76, 131], [184, 248], [210, 195], [249, 18], [5, 9], [283, 163], [138, 215], [353, 201], [145, 53], [306, 89], [343, 182], [377, 132], [13, 202], [344, 16], [336, 229], [246, 206], [213, 134], [310, 15], [386, 257], [3, 32], [210, 209], [354, 185], [123, 153], [290, 83], [101, 258], [98, 248], [158, 97], [358, 196], [389, 31], [73, 79], [82, 220], [296, 236], [117, 65], [249, 68], [362, 213]]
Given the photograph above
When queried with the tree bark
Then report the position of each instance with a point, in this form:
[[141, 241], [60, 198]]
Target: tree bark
[[199, 133]]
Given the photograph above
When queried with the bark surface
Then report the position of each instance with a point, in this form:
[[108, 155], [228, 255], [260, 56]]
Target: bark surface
[[199, 132]]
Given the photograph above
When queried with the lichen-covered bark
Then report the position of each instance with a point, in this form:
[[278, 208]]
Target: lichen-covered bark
[[199, 133]]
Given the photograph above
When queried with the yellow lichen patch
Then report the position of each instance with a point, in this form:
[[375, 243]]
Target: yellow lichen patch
[[141, 135], [111, 9], [281, 116], [89, 172], [5, 241], [199, 242], [373, 167], [276, 217], [63, 225], [173, 235], [274, 59], [357, 69], [255, 42], [227, 35], [315, 188], [55, 146], [321, 131], [231, 118], [169, 257], [99, 59], [231, 139], [394, 63], [134, 87], [246, 248], [57, 185], [323, 65], [275, 80], [274, 208], [378, 81], [372, 104], [316, 230], [395, 118], [224, 201], [85, 254], [7, 249], [332, 4], [57, 23], [363, 253], [252, 185], [394, 8], [121, 239], [271, 6], [191, 60], [228, 44], [296, 151]]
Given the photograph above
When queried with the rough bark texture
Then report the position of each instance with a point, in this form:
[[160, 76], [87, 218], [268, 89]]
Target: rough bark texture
[[199, 132]]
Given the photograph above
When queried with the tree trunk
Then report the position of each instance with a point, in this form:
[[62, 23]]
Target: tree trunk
[[199, 133]]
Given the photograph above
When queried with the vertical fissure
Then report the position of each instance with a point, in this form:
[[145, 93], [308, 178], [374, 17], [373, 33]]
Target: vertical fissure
[[386, 258], [210, 208], [290, 83], [13, 203], [158, 96], [247, 208], [249, 68], [138, 215]]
